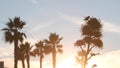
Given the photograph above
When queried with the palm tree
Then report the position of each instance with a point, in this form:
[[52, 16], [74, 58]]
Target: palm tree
[[27, 52], [39, 51], [91, 40], [22, 54], [53, 43], [13, 34]]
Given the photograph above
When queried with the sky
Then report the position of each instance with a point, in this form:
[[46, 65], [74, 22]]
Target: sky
[[65, 18]]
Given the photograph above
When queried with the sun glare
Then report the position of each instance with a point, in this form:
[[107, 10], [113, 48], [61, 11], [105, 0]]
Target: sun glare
[[71, 63], [68, 63]]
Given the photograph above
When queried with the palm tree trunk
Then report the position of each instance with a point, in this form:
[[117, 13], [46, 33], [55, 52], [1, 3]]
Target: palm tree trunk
[[54, 58], [23, 64], [15, 53], [15, 59], [40, 61], [28, 61]]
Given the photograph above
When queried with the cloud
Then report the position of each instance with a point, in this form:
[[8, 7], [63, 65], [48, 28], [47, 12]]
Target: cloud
[[41, 26], [108, 60], [4, 53], [107, 26], [34, 1], [71, 19], [35, 24]]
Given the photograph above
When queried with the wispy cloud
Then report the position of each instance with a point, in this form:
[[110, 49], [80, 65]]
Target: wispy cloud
[[71, 19], [36, 29], [107, 26], [108, 60], [41, 26], [34, 1]]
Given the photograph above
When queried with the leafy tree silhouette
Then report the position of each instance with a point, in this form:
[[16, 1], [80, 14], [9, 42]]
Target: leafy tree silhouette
[[13, 34], [54, 46], [90, 41]]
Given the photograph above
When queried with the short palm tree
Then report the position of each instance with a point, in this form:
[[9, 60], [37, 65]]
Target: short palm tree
[[22, 54], [54, 46], [91, 40], [39, 51], [13, 34], [27, 52]]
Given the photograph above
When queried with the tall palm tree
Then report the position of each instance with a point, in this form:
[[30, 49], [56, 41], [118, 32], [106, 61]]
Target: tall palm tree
[[13, 34], [54, 43], [91, 40]]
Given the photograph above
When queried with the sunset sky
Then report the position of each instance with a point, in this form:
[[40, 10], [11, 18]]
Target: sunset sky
[[65, 18]]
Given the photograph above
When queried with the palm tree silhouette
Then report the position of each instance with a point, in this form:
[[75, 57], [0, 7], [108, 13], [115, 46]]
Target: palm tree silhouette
[[13, 34], [27, 52], [54, 46], [91, 40], [39, 51], [24, 53]]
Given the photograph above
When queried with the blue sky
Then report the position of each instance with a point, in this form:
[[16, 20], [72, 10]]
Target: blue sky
[[63, 17]]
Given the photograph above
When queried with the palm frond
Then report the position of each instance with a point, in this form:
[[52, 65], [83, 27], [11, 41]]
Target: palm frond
[[21, 36], [8, 37], [10, 24], [5, 29], [22, 24], [47, 49], [60, 50], [59, 46], [47, 41], [58, 41], [53, 37], [40, 44], [32, 54]]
